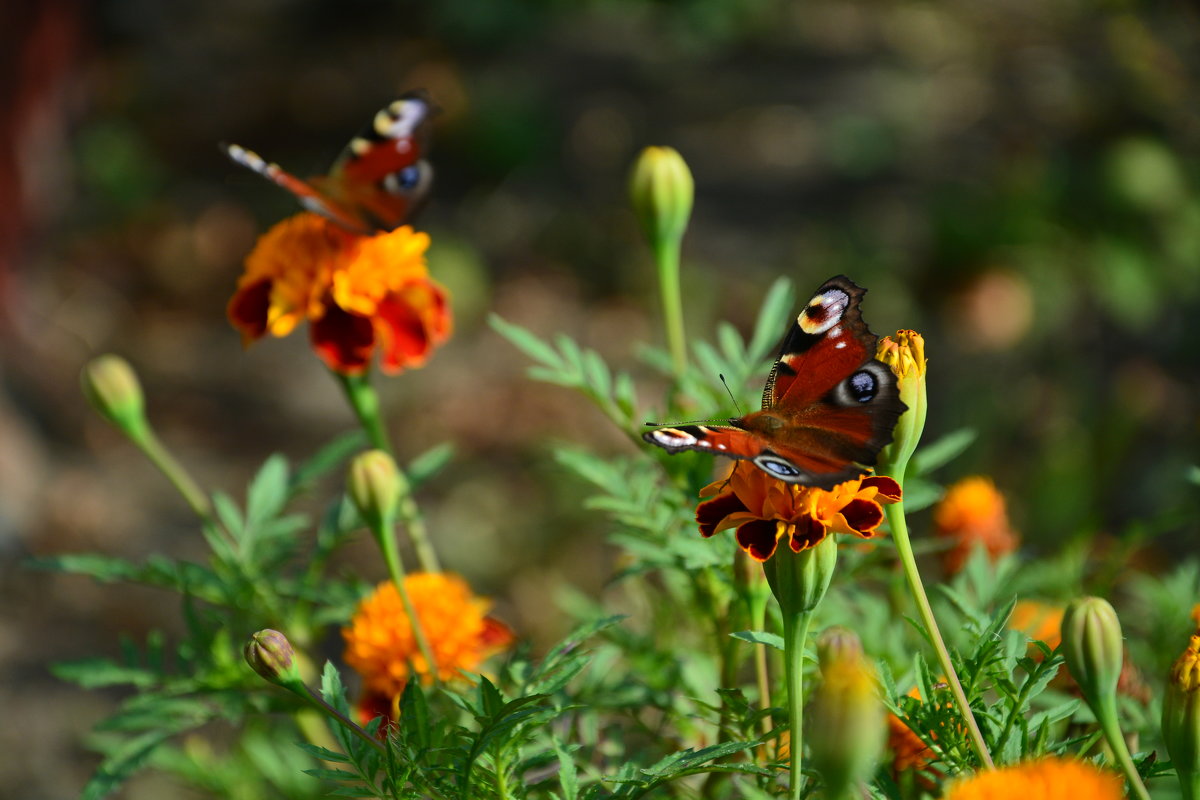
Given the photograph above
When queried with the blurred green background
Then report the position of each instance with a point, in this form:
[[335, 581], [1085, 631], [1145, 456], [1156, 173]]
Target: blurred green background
[[1017, 180]]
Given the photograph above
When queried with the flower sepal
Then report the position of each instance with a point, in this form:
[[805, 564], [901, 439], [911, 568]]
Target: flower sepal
[[799, 580]]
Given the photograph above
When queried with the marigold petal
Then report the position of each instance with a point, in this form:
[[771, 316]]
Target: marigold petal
[[712, 513], [409, 324], [863, 516], [759, 538], [343, 341], [806, 532], [247, 310], [889, 489]]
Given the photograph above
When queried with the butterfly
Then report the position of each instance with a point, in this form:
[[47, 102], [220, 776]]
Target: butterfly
[[377, 180], [829, 405]]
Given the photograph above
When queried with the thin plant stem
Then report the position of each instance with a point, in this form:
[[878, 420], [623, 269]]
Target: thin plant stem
[[319, 702], [908, 561], [365, 403], [666, 254], [418, 534], [395, 567], [1107, 717], [795, 633], [195, 497]]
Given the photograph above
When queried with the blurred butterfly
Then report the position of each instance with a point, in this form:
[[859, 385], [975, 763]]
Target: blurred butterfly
[[829, 405], [379, 178]]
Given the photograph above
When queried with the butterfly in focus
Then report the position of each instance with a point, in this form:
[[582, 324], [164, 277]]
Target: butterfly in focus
[[829, 405], [378, 179]]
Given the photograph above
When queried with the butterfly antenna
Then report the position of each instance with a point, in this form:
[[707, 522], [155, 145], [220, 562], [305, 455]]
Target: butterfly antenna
[[731, 397], [721, 420]]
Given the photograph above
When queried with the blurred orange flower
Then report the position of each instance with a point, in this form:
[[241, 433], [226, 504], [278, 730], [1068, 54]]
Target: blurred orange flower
[[1041, 622], [765, 510], [910, 753], [382, 648], [1044, 779], [358, 293], [973, 514]]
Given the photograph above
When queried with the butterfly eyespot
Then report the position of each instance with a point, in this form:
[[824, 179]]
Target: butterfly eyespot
[[404, 180], [777, 467], [863, 386]]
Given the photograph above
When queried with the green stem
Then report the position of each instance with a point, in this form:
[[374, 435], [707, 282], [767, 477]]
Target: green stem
[[666, 254], [795, 633], [908, 561], [195, 497], [418, 534], [365, 403], [395, 567], [320, 704], [1107, 717]]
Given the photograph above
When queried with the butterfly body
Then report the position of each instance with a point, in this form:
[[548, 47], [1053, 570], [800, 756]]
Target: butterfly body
[[828, 407], [378, 179]]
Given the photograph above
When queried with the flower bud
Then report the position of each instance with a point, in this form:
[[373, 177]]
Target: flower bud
[[905, 355], [112, 387], [270, 654], [1181, 718], [661, 191], [799, 580], [1091, 644], [837, 643], [847, 723], [374, 484]]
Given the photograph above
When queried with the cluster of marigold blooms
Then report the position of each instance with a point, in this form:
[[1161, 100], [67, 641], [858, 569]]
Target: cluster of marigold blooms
[[363, 294]]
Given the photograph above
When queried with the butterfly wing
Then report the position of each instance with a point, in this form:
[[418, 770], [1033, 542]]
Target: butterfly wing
[[829, 405], [377, 181]]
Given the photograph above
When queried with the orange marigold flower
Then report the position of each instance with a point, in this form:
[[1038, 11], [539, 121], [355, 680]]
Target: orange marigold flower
[[972, 513], [358, 293], [1044, 779], [1041, 622], [765, 510], [381, 646]]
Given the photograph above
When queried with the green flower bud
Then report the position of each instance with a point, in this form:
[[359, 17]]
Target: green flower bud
[[905, 355], [1091, 644], [661, 191], [112, 387], [374, 484], [837, 643], [847, 724], [270, 654], [1181, 718], [799, 580]]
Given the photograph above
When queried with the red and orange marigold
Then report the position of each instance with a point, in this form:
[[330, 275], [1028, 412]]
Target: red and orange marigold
[[766, 511], [1044, 779], [358, 294]]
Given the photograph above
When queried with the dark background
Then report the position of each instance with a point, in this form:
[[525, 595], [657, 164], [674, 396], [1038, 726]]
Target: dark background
[[1015, 179]]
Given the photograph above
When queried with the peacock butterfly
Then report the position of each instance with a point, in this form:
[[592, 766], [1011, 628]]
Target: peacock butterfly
[[377, 180], [829, 405]]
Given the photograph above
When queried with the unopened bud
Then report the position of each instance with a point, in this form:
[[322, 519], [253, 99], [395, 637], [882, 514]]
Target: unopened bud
[[112, 387], [270, 654], [1181, 718], [904, 354], [1091, 644], [374, 484], [661, 191], [837, 643], [847, 723]]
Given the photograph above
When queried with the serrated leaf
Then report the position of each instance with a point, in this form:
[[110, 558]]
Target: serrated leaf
[[92, 673], [229, 514], [268, 491], [760, 637], [323, 753], [429, 463], [771, 325], [122, 763], [327, 459], [526, 341]]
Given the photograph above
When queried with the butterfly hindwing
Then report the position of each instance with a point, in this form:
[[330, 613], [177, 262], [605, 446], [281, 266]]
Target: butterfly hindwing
[[829, 406], [378, 180]]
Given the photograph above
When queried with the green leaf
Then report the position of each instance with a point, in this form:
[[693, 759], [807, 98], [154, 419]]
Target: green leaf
[[429, 463], [268, 492], [920, 493], [322, 753], [123, 762], [92, 673], [772, 317], [568, 779], [327, 459], [526, 341], [941, 451], [760, 637]]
